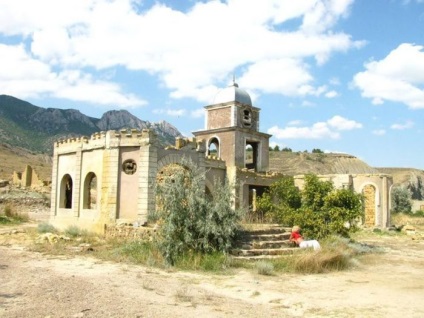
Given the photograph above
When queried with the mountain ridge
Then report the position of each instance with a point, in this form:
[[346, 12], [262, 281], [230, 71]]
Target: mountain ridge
[[28, 132], [35, 128]]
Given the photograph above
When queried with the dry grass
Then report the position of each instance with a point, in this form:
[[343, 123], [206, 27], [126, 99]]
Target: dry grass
[[15, 159], [399, 219]]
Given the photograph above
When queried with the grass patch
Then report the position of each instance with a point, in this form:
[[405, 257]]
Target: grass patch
[[264, 268], [9, 216], [75, 231], [46, 228], [416, 220], [135, 252], [215, 262]]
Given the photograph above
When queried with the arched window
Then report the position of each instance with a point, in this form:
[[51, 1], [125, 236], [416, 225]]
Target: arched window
[[66, 188], [90, 191], [213, 147]]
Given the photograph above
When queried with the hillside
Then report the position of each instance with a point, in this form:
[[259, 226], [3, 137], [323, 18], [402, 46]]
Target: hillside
[[34, 128], [293, 163], [15, 159]]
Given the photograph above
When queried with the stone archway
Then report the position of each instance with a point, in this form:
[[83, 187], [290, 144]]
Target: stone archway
[[369, 193]]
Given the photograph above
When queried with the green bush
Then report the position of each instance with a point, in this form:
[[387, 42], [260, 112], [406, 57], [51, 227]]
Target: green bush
[[401, 200], [192, 220], [75, 231], [264, 268], [45, 228], [319, 209]]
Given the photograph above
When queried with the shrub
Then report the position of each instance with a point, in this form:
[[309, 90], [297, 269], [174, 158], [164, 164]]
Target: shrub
[[264, 268], [75, 231], [191, 220], [8, 211], [45, 228], [401, 200], [319, 209]]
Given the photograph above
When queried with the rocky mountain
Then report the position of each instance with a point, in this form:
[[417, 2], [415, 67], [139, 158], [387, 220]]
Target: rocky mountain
[[35, 128]]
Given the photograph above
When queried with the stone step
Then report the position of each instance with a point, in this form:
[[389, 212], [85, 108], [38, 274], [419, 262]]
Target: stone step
[[265, 237], [262, 251], [255, 258], [262, 241], [265, 231], [272, 244]]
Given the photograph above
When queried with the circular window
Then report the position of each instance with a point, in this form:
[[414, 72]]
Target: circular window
[[129, 166]]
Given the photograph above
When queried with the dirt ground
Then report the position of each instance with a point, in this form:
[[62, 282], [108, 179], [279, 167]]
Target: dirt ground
[[389, 284]]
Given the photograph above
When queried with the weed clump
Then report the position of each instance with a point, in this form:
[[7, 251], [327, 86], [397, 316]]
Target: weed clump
[[264, 268], [46, 228]]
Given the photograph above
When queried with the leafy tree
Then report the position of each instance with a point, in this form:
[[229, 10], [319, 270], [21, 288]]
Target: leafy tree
[[280, 200], [316, 150], [315, 191], [277, 148], [286, 149], [319, 209], [401, 200], [416, 188], [191, 221]]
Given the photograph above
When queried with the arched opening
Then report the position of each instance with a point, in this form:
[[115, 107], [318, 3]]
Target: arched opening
[[369, 193], [247, 118], [213, 148], [90, 191], [66, 188], [251, 155]]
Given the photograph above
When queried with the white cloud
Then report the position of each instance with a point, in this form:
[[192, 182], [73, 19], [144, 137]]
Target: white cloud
[[341, 123], [189, 51], [399, 77], [170, 112], [407, 125], [306, 103], [331, 94], [23, 76], [379, 132], [316, 131], [329, 129], [198, 113], [295, 123]]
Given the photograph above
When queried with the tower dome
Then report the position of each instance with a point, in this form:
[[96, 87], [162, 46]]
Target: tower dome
[[232, 93]]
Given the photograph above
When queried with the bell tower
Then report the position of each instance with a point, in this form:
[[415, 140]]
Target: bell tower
[[232, 131]]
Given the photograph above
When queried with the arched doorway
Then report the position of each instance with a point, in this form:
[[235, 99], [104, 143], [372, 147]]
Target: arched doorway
[[369, 193], [66, 189]]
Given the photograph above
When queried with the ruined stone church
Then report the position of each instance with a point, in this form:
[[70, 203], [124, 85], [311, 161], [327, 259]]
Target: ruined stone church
[[109, 178]]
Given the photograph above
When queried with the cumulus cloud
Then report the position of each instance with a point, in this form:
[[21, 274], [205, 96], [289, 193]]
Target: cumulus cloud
[[170, 112], [399, 77], [379, 132], [23, 76], [188, 51], [407, 125], [329, 129]]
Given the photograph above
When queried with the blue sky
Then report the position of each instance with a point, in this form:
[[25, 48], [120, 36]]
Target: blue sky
[[339, 75]]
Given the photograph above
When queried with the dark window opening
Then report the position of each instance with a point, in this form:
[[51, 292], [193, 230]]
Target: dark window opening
[[247, 118], [251, 155], [90, 191], [66, 188]]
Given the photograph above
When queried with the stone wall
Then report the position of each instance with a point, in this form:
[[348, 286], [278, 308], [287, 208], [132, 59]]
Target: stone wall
[[130, 232]]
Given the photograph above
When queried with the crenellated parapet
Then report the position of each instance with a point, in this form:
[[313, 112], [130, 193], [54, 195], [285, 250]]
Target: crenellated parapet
[[189, 144], [107, 139]]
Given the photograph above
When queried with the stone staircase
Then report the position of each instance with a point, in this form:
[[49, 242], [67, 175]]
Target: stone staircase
[[262, 241]]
